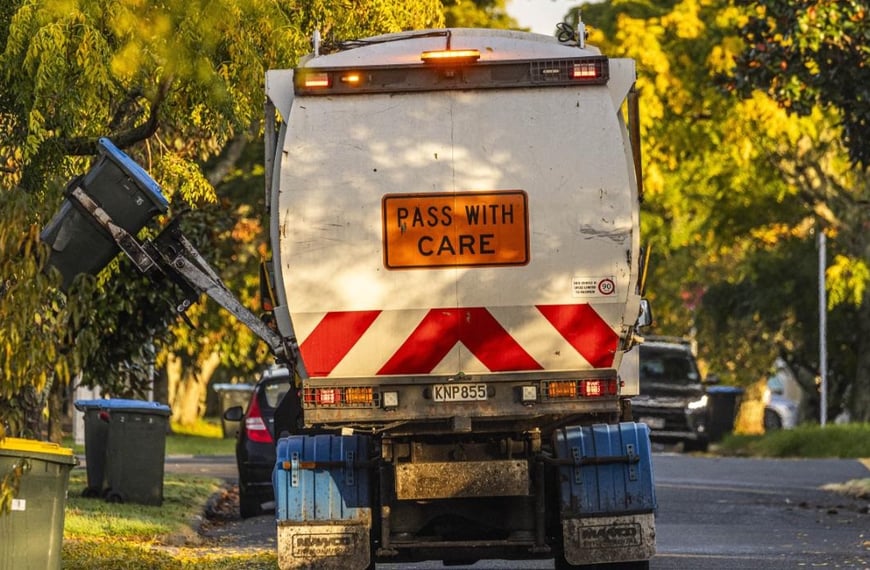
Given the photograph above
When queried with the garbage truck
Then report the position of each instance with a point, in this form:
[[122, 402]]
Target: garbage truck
[[456, 275]]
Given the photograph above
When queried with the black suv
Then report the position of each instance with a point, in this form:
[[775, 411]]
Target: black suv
[[255, 445], [672, 400]]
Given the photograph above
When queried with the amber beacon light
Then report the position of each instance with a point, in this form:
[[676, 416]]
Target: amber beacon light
[[449, 56]]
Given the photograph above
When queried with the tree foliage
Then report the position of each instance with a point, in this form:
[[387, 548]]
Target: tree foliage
[[806, 56], [736, 190], [811, 53], [178, 85], [478, 14]]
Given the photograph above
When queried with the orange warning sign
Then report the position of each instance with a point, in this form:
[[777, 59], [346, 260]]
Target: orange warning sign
[[455, 229]]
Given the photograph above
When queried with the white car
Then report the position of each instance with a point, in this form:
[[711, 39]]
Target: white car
[[780, 412]]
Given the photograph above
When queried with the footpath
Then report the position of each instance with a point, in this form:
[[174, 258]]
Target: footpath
[[221, 526]]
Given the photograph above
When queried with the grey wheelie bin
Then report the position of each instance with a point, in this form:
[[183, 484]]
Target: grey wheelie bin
[[123, 190], [129, 439], [96, 440], [31, 533], [722, 410]]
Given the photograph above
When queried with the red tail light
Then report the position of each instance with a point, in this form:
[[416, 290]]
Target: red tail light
[[255, 424], [598, 387]]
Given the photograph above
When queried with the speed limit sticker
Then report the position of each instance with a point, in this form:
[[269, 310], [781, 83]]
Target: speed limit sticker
[[606, 287], [597, 287]]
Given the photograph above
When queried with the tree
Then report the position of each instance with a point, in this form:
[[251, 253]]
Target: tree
[[806, 56], [478, 14], [725, 208], [178, 85]]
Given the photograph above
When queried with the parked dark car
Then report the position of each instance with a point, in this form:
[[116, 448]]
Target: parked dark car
[[255, 443], [672, 400]]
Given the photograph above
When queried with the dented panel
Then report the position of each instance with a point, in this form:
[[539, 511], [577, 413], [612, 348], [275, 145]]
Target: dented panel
[[449, 480]]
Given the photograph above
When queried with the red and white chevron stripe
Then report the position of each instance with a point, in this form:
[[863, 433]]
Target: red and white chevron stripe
[[448, 340]]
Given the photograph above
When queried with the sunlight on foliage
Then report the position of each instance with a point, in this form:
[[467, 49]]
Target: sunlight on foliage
[[847, 280], [184, 178]]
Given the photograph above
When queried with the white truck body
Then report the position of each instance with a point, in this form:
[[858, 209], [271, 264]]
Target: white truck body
[[560, 157], [456, 252]]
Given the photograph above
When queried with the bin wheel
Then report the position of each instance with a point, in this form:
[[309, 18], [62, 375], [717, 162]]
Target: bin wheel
[[91, 493], [114, 497]]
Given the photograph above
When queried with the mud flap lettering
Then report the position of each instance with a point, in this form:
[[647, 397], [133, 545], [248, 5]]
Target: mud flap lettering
[[611, 536], [313, 545], [609, 539]]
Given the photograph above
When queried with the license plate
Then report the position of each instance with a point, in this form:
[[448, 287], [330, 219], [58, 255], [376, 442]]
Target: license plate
[[458, 392], [653, 423]]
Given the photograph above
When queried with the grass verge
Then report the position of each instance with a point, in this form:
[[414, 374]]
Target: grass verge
[[843, 441], [184, 444], [203, 438], [101, 535]]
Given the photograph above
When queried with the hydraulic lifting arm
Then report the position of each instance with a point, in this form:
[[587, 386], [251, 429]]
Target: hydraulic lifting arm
[[172, 255]]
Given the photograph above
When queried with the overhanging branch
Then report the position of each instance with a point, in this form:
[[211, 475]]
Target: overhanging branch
[[85, 146]]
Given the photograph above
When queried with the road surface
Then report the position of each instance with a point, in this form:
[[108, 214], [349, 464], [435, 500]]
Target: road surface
[[714, 513]]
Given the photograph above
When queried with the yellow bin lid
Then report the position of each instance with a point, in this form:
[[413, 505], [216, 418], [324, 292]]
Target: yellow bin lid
[[32, 447]]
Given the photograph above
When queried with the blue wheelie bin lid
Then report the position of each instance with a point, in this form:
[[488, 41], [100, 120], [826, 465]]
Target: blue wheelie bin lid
[[85, 405], [132, 168], [121, 404]]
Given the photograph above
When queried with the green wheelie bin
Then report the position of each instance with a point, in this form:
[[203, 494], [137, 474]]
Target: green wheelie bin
[[31, 533]]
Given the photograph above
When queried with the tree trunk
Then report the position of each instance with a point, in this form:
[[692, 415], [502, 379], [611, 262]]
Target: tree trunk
[[161, 386], [56, 416], [188, 388]]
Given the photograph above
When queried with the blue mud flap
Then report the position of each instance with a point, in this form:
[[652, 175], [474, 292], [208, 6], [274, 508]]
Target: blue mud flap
[[607, 493], [323, 502]]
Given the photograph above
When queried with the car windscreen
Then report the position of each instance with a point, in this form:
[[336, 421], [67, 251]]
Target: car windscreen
[[667, 366], [274, 391]]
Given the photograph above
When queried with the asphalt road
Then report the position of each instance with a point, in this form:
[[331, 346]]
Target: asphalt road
[[713, 513]]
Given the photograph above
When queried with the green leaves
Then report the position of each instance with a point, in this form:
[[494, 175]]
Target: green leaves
[[32, 320], [178, 85], [848, 281], [810, 53], [737, 187]]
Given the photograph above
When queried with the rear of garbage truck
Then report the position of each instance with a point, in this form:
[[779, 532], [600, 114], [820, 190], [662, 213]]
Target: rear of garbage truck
[[455, 219]]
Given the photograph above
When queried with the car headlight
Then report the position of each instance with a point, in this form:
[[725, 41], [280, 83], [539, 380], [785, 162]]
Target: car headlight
[[698, 404]]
